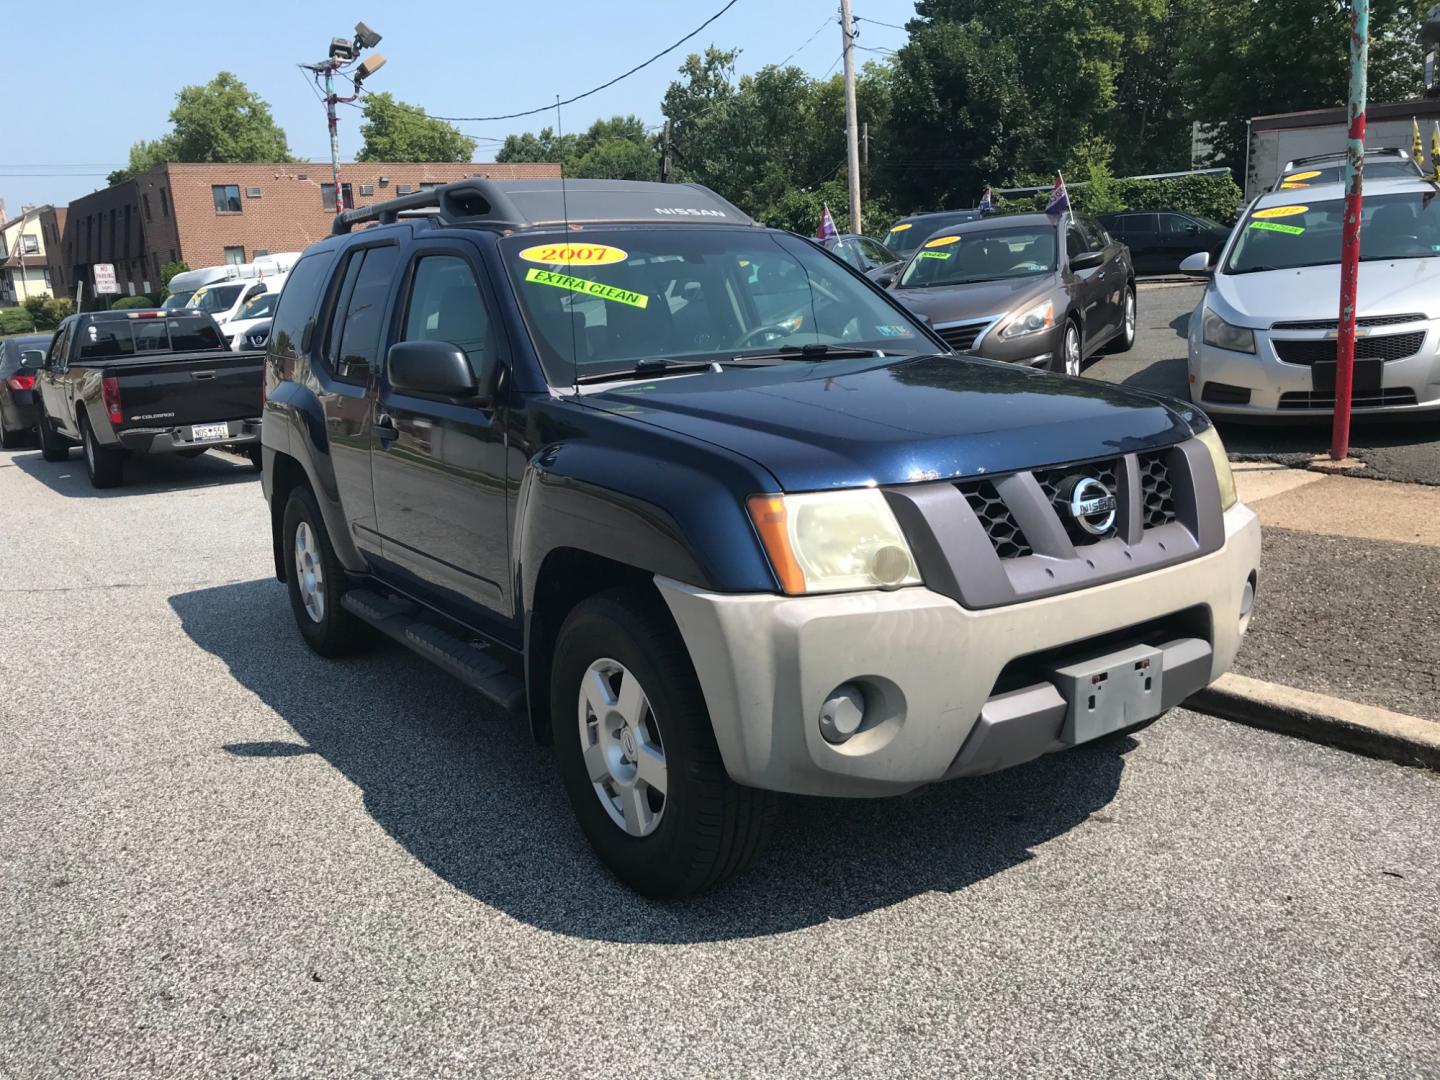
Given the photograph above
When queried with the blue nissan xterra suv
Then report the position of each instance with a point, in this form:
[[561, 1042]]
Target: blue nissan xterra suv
[[722, 518]]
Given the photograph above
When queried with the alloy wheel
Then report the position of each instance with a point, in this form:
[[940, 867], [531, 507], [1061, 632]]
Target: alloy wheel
[[1072, 350], [309, 571], [621, 746]]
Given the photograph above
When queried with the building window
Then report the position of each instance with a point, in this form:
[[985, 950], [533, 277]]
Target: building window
[[154, 263], [146, 200], [327, 196], [367, 189], [259, 253], [29, 245], [234, 256], [227, 198], [252, 193], [127, 230], [172, 255], [111, 250], [403, 189], [428, 185], [46, 272]]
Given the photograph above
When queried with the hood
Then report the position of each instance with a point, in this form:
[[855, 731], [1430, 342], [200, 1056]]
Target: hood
[[849, 423], [1396, 287], [978, 300]]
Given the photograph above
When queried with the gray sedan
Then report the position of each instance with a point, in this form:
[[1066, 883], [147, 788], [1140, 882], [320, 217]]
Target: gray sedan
[[1044, 290]]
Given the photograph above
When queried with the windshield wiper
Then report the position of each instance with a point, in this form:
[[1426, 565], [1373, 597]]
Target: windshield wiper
[[812, 351], [645, 368]]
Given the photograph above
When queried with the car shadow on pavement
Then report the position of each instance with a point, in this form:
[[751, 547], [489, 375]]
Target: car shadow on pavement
[[480, 805], [1170, 377], [143, 475]]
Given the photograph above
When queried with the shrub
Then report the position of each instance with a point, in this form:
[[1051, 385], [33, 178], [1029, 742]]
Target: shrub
[[15, 320], [141, 301], [46, 312], [169, 270], [57, 309]]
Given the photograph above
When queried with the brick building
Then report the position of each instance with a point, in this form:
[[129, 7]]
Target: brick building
[[210, 214]]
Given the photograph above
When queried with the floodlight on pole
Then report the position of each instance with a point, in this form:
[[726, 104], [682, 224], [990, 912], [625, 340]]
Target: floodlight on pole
[[344, 52]]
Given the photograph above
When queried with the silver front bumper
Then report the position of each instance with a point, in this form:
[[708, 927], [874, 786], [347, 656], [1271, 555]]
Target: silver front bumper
[[767, 663]]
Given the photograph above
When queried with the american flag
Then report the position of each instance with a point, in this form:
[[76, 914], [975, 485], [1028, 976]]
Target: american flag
[[826, 230], [1059, 198]]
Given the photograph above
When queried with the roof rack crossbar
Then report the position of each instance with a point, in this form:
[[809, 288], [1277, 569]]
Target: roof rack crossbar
[[1370, 151], [474, 198]]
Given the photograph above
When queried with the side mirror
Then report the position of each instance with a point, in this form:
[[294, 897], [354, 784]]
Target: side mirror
[[1197, 265], [1087, 260], [1193, 230], [434, 368], [885, 280]]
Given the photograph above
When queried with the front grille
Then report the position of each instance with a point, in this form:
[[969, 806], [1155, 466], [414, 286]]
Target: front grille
[[1309, 399], [1331, 324], [962, 337], [1322, 350], [1004, 531], [1219, 393], [1053, 483], [1157, 497]]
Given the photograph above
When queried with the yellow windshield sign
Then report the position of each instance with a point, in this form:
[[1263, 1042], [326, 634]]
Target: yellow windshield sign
[[1279, 211], [901, 227], [589, 288], [942, 241], [574, 254], [1293, 177]]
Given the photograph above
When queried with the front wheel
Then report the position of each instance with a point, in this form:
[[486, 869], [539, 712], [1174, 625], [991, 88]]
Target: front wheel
[[316, 580], [637, 753], [1125, 340], [104, 465], [52, 446], [9, 439], [1067, 361]]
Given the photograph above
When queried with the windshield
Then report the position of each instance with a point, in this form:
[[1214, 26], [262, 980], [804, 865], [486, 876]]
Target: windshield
[[216, 298], [692, 294], [990, 255], [259, 307], [128, 337], [1405, 225], [905, 236], [176, 301], [1335, 174]]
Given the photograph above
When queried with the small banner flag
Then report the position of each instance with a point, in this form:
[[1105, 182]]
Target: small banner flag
[[987, 205], [827, 230], [1434, 153], [1417, 147], [1059, 198]]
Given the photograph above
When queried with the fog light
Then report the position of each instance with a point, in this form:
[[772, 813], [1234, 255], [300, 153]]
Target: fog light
[[890, 566], [843, 713]]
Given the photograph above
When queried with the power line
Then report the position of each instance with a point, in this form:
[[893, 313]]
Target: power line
[[596, 90], [877, 22], [812, 37]]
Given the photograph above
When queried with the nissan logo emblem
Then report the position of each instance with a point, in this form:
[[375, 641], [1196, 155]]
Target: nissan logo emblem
[[1092, 505]]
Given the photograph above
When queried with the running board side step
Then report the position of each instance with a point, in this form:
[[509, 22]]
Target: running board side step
[[474, 665]]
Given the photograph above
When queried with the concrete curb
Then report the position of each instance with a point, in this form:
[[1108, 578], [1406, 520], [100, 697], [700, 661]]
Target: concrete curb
[[1348, 725]]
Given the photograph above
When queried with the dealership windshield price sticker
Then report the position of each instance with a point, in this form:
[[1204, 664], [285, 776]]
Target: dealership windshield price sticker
[[589, 288], [1279, 211], [574, 254], [942, 241], [1275, 226], [933, 255]]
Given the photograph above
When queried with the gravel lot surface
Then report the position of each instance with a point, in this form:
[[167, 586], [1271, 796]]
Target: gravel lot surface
[[223, 856], [1408, 452], [1356, 619]]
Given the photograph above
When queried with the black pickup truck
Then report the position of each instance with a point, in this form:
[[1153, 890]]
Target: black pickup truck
[[726, 517], [146, 382]]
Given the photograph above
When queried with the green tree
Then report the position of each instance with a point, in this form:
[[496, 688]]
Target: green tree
[[224, 120], [546, 147], [615, 149], [1293, 56], [169, 270], [396, 131], [618, 159]]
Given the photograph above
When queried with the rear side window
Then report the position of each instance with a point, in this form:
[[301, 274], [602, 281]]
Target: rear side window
[[298, 301], [355, 334], [1138, 224]]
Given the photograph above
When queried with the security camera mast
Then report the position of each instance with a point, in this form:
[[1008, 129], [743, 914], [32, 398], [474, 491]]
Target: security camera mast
[[343, 53]]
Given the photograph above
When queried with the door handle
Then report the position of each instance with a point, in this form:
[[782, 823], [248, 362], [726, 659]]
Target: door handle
[[385, 429]]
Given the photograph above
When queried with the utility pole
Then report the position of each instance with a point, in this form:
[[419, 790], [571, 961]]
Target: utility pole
[[665, 153], [1350, 230], [852, 135], [334, 121], [343, 53]]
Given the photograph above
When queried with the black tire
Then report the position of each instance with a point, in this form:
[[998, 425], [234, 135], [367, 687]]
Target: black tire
[[104, 466], [1125, 340], [710, 828], [192, 454], [52, 446], [9, 439], [336, 632], [256, 456], [1057, 362]]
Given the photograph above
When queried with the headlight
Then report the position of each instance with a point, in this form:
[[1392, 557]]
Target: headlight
[[1030, 321], [1222, 335], [832, 541], [1211, 438]]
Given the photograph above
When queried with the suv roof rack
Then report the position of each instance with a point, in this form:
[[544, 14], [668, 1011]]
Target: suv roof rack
[[1370, 151], [523, 204]]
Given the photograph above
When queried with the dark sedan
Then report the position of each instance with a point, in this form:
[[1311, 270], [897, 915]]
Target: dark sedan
[[1159, 239], [869, 256], [1047, 291], [907, 233], [20, 358]]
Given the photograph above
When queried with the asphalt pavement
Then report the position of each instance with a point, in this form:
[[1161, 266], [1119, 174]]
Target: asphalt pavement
[[223, 856], [1403, 451]]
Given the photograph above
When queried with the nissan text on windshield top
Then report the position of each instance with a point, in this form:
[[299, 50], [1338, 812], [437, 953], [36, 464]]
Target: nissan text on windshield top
[[719, 518]]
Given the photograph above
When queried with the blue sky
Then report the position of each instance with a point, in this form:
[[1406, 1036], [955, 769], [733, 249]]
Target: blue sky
[[101, 75]]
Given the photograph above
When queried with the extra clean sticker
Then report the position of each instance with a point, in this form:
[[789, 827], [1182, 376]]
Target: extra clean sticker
[[576, 254], [1279, 211], [1275, 226], [933, 255], [942, 241], [590, 288]]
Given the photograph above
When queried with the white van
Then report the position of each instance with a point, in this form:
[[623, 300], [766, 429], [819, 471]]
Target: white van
[[224, 290]]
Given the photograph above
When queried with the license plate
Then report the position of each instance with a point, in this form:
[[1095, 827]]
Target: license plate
[[209, 432], [1109, 692], [1367, 377]]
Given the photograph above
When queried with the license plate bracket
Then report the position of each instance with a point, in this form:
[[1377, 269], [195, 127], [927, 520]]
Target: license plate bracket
[[209, 432], [1368, 374], [1107, 693]]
